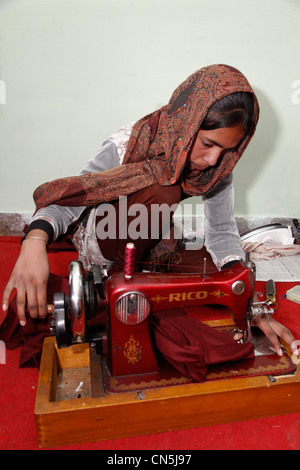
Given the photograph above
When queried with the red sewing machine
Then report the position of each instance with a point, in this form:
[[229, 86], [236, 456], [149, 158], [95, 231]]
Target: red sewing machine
[[130, 298], [103, 377]]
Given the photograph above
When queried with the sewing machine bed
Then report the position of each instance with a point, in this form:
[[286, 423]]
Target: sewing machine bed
[[73, 406]]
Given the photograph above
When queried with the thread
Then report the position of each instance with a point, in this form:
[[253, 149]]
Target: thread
[[129, 260]]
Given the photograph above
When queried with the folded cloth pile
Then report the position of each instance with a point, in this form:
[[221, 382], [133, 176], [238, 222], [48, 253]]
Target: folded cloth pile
[[267, 251], [191, 346]]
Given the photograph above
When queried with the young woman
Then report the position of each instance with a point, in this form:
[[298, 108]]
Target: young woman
[[187, 148]]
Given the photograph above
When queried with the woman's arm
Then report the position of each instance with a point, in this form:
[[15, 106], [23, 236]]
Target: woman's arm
[[55, 220], [30, 277], [222, 239], [31, 272]]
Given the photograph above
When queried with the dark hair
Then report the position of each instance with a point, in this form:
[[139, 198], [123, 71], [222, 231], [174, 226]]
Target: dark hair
[[234, 110]]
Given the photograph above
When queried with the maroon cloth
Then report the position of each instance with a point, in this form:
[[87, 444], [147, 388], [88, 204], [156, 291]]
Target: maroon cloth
[[30, 336], [150, 244], [191, 346]]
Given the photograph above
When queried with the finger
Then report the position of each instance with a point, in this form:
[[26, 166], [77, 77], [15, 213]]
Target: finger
[[237, 336], [42, 300], [265, 327], [6, 294], [287, 337], [32, 302], [21, 304], [276, 343], [283, 332]]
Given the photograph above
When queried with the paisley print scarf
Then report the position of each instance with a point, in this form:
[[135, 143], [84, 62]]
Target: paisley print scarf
[[159, 145]]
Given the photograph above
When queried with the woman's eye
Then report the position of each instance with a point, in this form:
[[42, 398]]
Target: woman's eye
[[206, 144]]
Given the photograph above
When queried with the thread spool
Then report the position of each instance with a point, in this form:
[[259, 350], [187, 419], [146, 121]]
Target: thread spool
[[129, 260]]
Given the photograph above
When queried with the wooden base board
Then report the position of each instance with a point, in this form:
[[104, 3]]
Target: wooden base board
[[88, 418]]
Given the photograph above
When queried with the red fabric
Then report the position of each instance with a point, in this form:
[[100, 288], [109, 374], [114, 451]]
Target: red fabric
[[190, 346], [30, 336], [113, 248]]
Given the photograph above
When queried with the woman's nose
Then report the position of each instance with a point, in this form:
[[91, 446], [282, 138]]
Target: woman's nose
[[213, 156]]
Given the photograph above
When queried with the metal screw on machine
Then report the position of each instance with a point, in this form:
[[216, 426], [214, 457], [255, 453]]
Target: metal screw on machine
[[238, 287]]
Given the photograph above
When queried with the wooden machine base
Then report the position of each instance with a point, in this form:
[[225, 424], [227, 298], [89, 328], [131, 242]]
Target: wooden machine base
[[83, 416]]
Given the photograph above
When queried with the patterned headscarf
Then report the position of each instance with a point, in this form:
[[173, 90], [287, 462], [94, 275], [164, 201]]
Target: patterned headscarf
[[159, 145]]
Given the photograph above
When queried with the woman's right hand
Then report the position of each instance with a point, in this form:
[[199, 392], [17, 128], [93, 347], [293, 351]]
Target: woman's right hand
[[30, 278]]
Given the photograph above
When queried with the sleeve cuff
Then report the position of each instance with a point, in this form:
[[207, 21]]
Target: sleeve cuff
[[227, 262], [40, 224]]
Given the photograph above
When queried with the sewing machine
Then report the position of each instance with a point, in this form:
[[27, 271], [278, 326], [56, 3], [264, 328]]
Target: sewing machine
[[130, 298], [105, 379]]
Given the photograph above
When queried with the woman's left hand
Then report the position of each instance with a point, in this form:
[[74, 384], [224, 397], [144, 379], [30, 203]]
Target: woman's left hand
[[272, 329]]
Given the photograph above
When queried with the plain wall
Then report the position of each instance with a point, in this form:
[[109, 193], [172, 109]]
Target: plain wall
[[73, 71]]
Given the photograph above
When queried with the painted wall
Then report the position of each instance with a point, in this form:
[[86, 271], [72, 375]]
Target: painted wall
[[74, 71]]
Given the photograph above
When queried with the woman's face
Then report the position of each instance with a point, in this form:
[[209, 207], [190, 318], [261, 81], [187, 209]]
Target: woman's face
[[209, 146]]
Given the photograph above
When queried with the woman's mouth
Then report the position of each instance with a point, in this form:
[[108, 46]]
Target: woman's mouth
[[194, 166]]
